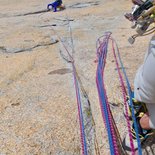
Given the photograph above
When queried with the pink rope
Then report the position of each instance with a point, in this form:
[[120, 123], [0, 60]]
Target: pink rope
[[82, 134], [102, 51], [124, 93]]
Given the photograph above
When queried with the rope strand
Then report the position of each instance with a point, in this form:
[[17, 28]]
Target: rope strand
[[102, 50]]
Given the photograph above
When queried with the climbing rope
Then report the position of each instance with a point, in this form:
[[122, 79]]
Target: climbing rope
[[102, 45], [79, 104], [81, 119], [102, 50], [78, 87], [124, 93], [130, 96], [112, 131]]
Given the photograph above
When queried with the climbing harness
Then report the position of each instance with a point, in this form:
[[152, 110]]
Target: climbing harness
[[102, 49]]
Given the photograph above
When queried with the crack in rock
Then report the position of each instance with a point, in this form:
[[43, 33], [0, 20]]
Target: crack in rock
[[84, 5], [32, 13], [6, 50], [24, 14], [46, 25], [64, 20], [89, 125]]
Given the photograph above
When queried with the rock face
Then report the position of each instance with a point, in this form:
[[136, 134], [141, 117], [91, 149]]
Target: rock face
[[38, 109]]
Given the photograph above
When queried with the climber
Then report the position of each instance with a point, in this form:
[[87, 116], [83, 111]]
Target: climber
[[55, 5], [144, 92]]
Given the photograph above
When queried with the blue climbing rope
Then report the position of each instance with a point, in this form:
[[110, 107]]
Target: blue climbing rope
[[130, 96], [80, 112], [105, 109]]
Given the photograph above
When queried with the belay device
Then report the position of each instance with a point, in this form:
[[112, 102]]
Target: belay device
[[142, 18]]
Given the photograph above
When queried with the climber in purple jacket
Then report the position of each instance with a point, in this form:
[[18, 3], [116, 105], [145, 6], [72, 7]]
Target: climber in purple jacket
[[57, 4]]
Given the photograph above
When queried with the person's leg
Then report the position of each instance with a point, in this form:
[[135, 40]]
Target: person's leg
[[55, 9], [144, 84], [49, 7], [145, 87], [55, 5], [144, 91], [52, 6]]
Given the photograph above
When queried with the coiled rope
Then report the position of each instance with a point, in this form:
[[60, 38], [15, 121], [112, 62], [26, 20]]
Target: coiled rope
[[102, 45], [102, 49]]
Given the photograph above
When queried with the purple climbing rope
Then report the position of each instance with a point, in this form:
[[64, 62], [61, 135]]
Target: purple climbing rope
[[80, 113], [79, 104], [102, 45], [130, 96], [102, 49], [124, 93]]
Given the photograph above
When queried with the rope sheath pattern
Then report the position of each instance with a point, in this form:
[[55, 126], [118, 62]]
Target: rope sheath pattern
[[79, 104], [102, 49], [105, 109], [80, 113], [131, 102], [124, 93]]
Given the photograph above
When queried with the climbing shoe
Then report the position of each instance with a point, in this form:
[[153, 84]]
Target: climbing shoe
[[139, 108], [143, 135]]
